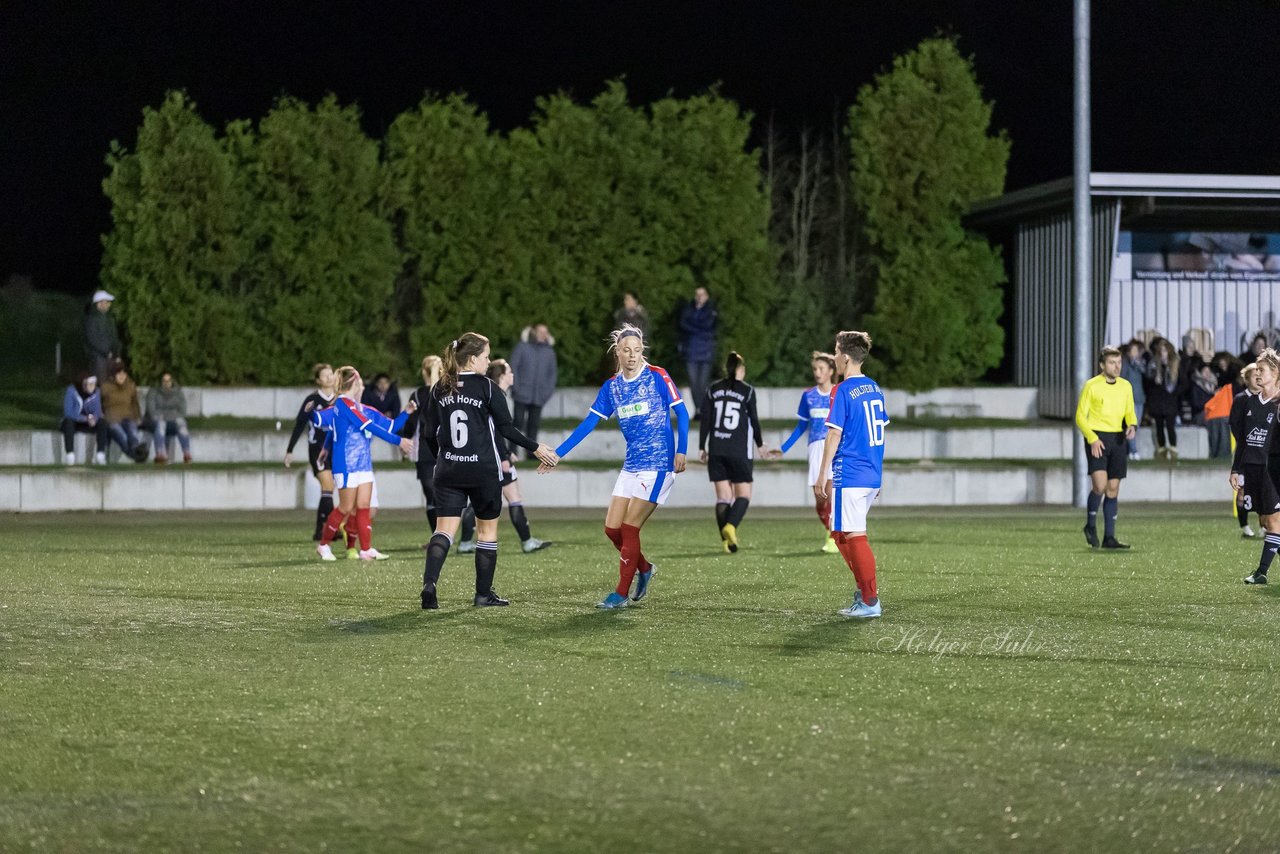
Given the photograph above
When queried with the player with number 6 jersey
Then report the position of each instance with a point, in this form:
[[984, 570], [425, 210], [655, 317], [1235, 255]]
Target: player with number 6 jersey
[[854, 451]]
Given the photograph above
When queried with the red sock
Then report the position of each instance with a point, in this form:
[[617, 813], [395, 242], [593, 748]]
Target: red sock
[[824, 513], [331, 526], [857, 553], [350, 528], [365, 528], [630, 559], [615, 536]]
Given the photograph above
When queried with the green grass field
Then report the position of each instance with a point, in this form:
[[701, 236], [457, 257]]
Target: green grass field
[[186, 682]]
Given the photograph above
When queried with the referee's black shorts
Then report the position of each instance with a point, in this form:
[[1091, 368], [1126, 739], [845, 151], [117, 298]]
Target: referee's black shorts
[[1115, 456], [1260, 494]]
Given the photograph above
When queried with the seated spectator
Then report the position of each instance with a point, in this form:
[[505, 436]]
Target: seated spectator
[[383, 396], [82, 413], [121, 411], [167, 412], [1202, 388]]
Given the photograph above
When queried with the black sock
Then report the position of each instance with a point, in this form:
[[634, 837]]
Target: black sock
[[520, 521], [1270, 544], [722, 514], [486, 565], [468, 525], [322, 512], [738, 510], [437, 551], [1110, 506], [431, 516], [1242, 516], [1091, 517]]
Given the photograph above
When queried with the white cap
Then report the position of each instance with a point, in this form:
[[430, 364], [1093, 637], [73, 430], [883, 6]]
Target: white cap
[[99, 296]]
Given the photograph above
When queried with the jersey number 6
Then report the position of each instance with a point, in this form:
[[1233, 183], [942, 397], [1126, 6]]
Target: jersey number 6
[[458, 429]]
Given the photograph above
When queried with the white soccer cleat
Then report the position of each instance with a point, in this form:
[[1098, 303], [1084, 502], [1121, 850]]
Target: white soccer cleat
[[1247, 532], [372, 554], [533, 544], [466, 547], [325, 552], [861, 610]]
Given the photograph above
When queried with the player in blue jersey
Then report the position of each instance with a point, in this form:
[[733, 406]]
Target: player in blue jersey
[[854, 451], [353, 428], [815, 404], [642, 396]]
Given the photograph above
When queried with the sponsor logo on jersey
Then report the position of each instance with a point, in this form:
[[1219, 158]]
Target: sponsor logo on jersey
[[817, 413], [631, 410], [1257, 436]]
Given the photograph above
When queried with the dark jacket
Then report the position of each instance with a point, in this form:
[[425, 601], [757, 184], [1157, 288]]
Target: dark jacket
[[101, 338], [535, 366], [698, 332], [388, 404], [77, 406], [637, 317]]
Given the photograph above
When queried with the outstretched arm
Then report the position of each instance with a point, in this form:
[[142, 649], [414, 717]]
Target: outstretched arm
[[801, 426], [579, 433]]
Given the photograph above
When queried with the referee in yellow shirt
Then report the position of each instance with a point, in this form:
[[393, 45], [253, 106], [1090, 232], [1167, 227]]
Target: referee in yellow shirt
[[1105, 415]]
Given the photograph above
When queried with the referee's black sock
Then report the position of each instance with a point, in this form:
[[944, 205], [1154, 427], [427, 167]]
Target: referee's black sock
[[468, 525], [738, 510], [519, 520], [722, 514], [1270, 545], [437, 551], [486, 565], [1091, 517], [323, 510], [1110, 506]]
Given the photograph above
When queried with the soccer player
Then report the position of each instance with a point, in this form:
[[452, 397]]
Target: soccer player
[[728, 413], [815, 405], [642, 396], [1105, 416], [1248, 376], [322, 398], [426, 464], [466, 413], [353, 427], [854, 453], [1254, 426]]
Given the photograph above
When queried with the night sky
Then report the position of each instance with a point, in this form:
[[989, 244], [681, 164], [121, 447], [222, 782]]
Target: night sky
[[1178, 86]]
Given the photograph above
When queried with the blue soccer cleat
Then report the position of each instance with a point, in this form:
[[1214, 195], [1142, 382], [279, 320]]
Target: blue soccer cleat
[[613, 601], [642, 583]]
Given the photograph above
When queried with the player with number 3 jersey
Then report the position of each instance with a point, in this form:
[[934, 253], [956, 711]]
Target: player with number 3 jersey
[[854, 451]]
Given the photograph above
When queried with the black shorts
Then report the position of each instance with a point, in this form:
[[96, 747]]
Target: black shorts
[[1260, 493], [313, 454], [732, 469], [1115, 456], [486, 499]]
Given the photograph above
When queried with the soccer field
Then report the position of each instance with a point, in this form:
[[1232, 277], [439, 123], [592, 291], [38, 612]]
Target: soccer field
[[202, 682]]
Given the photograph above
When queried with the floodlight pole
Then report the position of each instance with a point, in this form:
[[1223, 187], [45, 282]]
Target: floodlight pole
[[1081, 228]]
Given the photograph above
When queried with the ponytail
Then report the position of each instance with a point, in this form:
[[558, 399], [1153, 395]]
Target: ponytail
[[347, 377], [731, 365], [431, 368], [460, 351]]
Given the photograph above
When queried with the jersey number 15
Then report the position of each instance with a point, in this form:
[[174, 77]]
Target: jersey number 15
[[727, 414]]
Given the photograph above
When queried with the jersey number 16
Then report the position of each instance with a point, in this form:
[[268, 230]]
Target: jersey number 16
[[873, 410]]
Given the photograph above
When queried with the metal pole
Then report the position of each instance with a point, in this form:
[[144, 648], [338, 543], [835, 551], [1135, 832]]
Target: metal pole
[[1081, 227]]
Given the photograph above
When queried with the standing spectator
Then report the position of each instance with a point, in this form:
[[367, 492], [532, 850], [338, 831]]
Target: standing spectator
[[534, 362], [101, 338], [1226, 368], [167, 411], [1217, 419], [1256, 347], [1162, 396], [698, 342], [1133, 369], [82, 413], [121, 411], [383, 396], [632, 312]]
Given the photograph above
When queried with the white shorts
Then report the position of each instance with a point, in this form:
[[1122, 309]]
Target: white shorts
[[815, 460], [849, 508], [652, 486], [350, 480]]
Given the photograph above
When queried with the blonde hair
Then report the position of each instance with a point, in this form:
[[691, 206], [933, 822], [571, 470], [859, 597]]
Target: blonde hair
[[459, 352], [1247, 372], [432, 367], [626, 330], [347, 377], [1271, 358]]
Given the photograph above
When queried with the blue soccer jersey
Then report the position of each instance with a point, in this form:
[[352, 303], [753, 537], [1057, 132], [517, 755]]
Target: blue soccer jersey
[[858, 412], [352, 426], [815, 407], [643, 406]]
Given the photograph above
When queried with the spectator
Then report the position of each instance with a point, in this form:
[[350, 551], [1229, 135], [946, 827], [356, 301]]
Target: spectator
[[383, 396], [1201, 389], [82, 413], [101, 338], [632, 312], [536, 368], [698, 342], [1217, 421], [1226, 368], [1256, 347], [1133, 368], [1190, 361], [122, 413], [1163, 393], [167, 411]]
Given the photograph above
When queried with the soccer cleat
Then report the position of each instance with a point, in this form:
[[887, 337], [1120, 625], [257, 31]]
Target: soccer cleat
[[325, 552], [429, 601], [724, 546], [829, 547], [466, 547], [861, 611], [69, 459], [1256, 578], [353, 554], [1091, 536], [612, 601], [1247, 533], [730, 534], [490, 600], [100, 458], [857, 600], [533, 544], [642, 583], [1113, 543], [371, 554]]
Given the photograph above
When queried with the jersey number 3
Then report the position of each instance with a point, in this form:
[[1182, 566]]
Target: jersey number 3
[[458, 429], [874, 412]]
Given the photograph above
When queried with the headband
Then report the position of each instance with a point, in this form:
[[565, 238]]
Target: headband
[[629, 332]]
